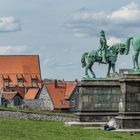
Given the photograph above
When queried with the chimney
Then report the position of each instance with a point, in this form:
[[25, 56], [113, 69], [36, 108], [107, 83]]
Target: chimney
[[55, 83]]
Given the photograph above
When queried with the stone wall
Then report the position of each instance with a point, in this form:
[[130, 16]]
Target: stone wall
[[33, 116], [98, 99], [34, 104], [99, 95], [129, 110]]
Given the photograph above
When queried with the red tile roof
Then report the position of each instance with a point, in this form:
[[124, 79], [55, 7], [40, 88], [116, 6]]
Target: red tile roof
[[59, 92], [21, 91], [69, 89], [9, 95], [13, 66], [31, 94]]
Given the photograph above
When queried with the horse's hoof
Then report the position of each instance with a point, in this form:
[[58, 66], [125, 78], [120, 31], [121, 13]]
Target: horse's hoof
[[93, 76], [107, 76], [86, 76]]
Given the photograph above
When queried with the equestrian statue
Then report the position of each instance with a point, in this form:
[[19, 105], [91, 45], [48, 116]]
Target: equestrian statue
[[135, 41], [104, 55]]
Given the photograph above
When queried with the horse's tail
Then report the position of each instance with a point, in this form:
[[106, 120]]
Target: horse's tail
[[128, 45], [83, 60]]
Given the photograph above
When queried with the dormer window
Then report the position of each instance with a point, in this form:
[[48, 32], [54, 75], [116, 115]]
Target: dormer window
[[34, 80], [72, 102], [6, 80], [20, 80], [62, 102]]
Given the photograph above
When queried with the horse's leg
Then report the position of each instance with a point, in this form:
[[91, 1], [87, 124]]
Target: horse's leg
[[137, 63], [86, 70], [87, 67], [92, 72], [134, 59], [113, 68], [109, 68]]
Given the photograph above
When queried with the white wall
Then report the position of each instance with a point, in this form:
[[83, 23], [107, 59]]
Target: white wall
[[44, 95]]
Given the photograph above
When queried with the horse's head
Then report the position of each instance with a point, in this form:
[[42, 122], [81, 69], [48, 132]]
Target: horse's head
[[121, 48]]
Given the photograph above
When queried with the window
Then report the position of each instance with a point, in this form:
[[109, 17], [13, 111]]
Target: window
[[34, 80], [73, 103], [62, 102], [17, 101], [48, 103], [20, 81], [60, 90], [6, 88], [6, 80], [77, 90]]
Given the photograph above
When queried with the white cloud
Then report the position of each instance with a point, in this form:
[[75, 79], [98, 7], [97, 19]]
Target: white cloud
[[66, 50], [58, 65], [127, 13], [13, 50], [9, 24], [79, 34], [113, 40], [121, 22]]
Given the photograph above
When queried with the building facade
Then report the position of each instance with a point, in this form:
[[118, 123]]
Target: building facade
[[56, 95], [20, 73], [11, 99]]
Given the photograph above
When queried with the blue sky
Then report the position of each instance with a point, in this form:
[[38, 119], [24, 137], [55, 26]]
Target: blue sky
[[60, 31]]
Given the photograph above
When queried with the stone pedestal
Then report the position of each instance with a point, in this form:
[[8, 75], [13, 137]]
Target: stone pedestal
[[129, 106], [98, 99]]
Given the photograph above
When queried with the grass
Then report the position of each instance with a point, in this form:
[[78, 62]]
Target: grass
[[36, 111], [43, 130]]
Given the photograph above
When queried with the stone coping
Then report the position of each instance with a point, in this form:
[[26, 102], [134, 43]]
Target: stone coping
[[85, 124], [129, 113], [102, 79], [117, 130], [127, 130], [97, 113], [128, 117]]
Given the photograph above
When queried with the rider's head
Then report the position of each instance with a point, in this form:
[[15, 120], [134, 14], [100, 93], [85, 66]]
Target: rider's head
[[102, 33]]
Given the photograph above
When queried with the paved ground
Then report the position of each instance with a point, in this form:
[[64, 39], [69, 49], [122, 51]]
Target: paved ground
[[98, 125], [127, 130]]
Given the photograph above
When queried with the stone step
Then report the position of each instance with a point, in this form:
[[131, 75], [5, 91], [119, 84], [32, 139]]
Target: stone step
[[117, 130], [127, 130], [85, 124]]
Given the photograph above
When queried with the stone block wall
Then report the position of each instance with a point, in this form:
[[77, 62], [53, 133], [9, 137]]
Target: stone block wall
[[34, 104], [33, 116], [99, 95]]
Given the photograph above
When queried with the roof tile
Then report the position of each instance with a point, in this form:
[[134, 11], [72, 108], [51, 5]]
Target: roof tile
[[12, 66], [31, 94], [59, 92], [9, 95]]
